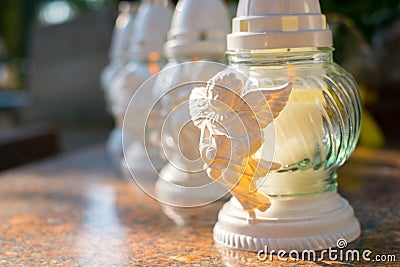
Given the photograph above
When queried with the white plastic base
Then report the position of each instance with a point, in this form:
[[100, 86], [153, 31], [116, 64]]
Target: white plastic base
[[140, 164], [191, 198], [114, 147], [309, 223]]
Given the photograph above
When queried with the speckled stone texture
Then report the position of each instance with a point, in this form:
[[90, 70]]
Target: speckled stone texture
[[76, 211]]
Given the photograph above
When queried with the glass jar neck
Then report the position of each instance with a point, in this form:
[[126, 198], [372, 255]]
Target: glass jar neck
[[275, 57], [194, 58], [147, 61]]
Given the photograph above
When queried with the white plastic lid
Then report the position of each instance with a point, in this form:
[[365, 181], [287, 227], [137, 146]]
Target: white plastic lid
[[119, 39], [199, 27], [152, 23], [269, 24]]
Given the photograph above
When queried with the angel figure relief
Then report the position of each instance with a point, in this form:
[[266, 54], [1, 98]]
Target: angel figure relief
[[231, 123]]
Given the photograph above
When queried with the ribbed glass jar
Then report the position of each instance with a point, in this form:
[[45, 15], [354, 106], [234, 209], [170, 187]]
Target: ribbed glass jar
[[319, 127], [173, 88], [126, 84]]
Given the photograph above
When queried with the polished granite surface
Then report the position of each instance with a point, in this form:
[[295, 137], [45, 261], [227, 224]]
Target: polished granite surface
[[76, 211]]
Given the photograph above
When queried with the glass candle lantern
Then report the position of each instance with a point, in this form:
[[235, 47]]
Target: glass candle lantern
[[194, 44], [119, 58], [146, 56], [278, 43]]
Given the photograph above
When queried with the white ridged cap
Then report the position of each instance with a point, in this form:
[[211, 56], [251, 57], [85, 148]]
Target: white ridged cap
[[269, 24], [199, 27], [152, 23]]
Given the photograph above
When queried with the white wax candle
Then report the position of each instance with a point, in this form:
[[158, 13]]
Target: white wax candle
[[298, 132]]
